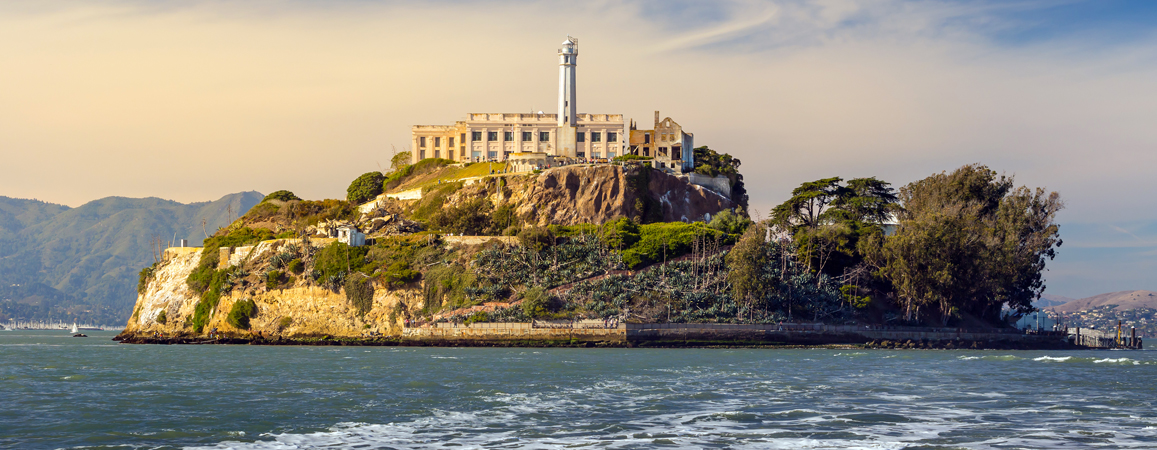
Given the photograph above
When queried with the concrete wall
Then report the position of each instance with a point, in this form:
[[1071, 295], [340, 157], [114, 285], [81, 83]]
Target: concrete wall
[[719, 184], [786, 333]]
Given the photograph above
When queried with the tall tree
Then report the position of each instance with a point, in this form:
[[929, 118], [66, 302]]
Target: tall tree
[[969, 243]]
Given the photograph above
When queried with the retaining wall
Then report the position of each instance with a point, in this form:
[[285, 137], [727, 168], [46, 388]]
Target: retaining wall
[[774, 333]]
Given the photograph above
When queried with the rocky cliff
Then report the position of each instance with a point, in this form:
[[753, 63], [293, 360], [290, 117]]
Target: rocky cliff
[[602, 193], [293, 312]]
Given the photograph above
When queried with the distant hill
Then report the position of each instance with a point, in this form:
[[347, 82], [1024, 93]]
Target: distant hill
[[1049, 300], [1125, 300], [82, 262]]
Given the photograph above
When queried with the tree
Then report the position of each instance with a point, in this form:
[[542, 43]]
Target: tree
[[746, 263], [827, 219], [712, 163], [365, 187], [399, 160], [969, 243], [282, 195]]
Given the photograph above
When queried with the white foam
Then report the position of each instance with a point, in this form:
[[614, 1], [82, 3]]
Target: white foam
[[1053, 358]]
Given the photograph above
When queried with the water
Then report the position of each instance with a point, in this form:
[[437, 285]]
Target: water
[[63, 392]]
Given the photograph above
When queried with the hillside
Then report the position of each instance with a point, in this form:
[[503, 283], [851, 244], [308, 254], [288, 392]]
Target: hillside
[[1125, 300], [83, 262]]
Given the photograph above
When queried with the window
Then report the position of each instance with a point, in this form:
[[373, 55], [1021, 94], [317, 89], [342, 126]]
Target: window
[[544, 135], [582, 154], [437, 153], [508, 136], [421, 154], [527, 136], [646, 151], [646, 138], [662, 151], [462, 154], [596, 137], [491, 136], [494, 155], [611, 155], [450, 142], [581, 136], [612, 137], [422, 142], [475, 136], [437, 142], [463, 139]]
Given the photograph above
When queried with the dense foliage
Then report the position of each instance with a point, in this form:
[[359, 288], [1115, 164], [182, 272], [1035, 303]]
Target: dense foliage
[[365, 187], [969, 243], [240, 313], [712, 163], [282, 195]]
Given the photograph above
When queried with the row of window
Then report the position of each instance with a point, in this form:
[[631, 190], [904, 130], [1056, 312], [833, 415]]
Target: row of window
[[508, 136], [527, 136]]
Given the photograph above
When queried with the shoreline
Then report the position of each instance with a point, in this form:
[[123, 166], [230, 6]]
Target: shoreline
[[576, 343]]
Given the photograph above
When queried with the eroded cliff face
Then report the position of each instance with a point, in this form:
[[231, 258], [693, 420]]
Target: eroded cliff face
[[296, 312], [598, 194]]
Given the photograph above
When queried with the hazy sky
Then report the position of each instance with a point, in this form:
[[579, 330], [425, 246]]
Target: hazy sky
[[192, 100]]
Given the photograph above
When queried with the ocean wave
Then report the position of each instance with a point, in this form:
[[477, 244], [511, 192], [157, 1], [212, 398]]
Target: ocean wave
[[1053, 358]]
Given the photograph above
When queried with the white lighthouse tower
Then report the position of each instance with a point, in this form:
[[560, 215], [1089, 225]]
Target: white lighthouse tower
[[567, 114]]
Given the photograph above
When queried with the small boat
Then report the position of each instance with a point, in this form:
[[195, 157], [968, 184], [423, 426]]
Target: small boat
[[79, 335]]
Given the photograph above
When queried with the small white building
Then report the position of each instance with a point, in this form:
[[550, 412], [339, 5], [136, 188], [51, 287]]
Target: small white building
[[351, 236]]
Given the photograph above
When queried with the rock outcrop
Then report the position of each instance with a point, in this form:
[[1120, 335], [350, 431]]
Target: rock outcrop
[[296, 312], [598, 194]]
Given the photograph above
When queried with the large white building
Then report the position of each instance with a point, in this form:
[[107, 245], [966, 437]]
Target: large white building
[[567, 134]]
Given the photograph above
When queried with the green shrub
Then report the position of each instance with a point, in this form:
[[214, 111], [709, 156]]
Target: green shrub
[[445, 288], [284, 323], [536, 238], [282, 195], [273, 279], [161, 318], [730, 222], [144, 277], [478, 317], [504, 217], [339, 258], [359, 290], [470, 218], [365, 187], [241, 312], [433, 198], [395, 178], [660, 241], [631, 158], [537, 302], [297, 266], [620, 234]]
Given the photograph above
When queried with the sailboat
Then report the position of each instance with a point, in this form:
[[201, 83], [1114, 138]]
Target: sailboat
[[75, 332]]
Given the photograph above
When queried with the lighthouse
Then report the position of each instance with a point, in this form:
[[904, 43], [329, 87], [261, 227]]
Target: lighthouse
[[567, 59], [567, 115]]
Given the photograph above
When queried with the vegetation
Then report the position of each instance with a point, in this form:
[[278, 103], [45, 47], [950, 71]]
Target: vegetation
[[296, 265], [162, 317], [712, 163], [365, 187], [630, 157], [145, 276], [240, 313], [282, 195], [537, 302], [359, 289], [969, 243], [827, 220]]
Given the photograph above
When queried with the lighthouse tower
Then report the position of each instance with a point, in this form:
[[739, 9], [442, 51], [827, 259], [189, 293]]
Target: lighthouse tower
[[567, 59], [567, 115]]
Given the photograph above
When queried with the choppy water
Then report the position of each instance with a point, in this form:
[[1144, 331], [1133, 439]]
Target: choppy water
[[61, 392]]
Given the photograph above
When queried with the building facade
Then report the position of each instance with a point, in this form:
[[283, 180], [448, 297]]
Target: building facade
[[670, 146], [495, 136], [567, 134]]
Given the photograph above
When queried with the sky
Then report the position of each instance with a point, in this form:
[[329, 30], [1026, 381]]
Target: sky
[[192, 100]]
